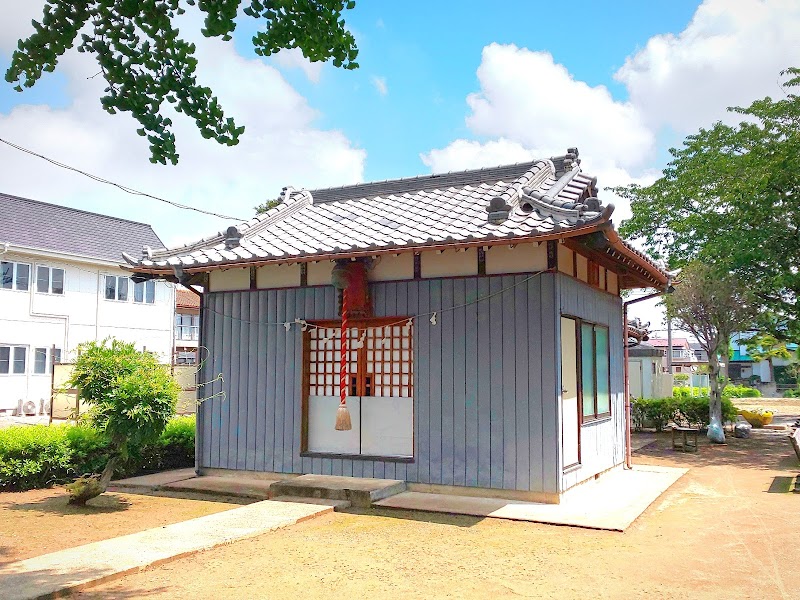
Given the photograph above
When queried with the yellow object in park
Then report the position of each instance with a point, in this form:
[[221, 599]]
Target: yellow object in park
[[757, 418]]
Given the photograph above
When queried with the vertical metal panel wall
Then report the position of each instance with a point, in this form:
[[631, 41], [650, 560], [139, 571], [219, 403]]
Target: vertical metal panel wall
[[602, 442], [485, 382]]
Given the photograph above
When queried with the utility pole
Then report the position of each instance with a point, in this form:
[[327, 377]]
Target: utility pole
[[669, 345]]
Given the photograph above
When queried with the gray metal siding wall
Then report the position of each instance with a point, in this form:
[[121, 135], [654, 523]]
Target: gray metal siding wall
[[482, 416], [603, 442]]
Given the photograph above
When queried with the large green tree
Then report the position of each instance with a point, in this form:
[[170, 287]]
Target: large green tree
[[146, 62], [713, 305], [731, 197]]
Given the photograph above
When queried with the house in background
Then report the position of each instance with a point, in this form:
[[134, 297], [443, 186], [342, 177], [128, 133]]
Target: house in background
[[187, 326], [60, 285], [743, 369], [647, 373], [484, 329]]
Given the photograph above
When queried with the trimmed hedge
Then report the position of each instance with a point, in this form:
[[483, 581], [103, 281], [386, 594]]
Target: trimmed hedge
[[39, 456], [658, 412], [730, 391]]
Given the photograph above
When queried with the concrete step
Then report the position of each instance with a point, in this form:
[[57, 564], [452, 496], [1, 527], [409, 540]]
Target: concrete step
[[238, 487], [360, 491], [336, 504]]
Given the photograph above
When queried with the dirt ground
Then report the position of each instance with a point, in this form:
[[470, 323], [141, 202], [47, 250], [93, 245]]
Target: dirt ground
[[40, 521], [728, 528], [785, 409]]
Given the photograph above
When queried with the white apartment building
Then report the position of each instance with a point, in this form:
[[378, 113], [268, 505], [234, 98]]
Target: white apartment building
[[61, 285]]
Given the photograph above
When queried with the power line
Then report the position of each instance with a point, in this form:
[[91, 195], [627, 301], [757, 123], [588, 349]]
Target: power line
[[118, 185]]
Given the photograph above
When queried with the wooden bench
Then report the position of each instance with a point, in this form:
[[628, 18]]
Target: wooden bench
[[686, 440]]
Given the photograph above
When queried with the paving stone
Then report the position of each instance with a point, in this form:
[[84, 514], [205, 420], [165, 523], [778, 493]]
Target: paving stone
[[77, 568]]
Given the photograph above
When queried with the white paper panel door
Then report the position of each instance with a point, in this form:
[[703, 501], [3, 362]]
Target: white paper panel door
[[387, 426], [322, 436], [570, 425]]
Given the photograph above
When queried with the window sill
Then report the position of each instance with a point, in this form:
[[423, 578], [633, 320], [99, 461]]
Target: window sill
[[596, 421], [396, 459], [571, 468]]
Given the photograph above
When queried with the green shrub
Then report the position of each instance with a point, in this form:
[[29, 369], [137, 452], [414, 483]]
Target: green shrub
[[693, 411], [740, 391], [686, 410], [40, 456], [795, 393], [655, 412], [33, 457]]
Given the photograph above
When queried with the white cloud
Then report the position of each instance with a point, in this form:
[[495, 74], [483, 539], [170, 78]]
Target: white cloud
[[528, 98], [16, 21], [729, 55], [380, 85], [469, 154], [293, 58], [281, 146]]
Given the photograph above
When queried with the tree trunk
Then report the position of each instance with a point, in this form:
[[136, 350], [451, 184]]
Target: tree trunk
[[87, 487], [715, 431]]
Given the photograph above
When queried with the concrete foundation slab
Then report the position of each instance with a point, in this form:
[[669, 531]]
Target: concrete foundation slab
[[361, 491], [75, 568], [611, 502]]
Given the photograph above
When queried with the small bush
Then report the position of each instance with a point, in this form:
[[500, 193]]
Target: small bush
[[40, 456], [655, 412], [33, 457], [740, 391], [688, 411], [795, 393], [694, 411]]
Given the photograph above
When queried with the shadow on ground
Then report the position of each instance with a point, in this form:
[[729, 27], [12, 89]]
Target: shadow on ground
[[765, 449], [59, 505], [416, 515]]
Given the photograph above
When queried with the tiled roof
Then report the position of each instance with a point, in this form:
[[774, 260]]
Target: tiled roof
[[54, 228], [539, 198], [186, 299]]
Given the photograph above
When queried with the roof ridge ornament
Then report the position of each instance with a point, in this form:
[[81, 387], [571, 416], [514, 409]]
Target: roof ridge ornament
[[233, 237], [498, 209]]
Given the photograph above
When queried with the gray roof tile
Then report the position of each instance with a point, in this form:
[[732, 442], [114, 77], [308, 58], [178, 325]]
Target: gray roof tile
[[54, 228], [405, 212]]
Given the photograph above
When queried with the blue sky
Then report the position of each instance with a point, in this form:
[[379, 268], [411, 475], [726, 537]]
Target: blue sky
[[428, 52], [442, 86]]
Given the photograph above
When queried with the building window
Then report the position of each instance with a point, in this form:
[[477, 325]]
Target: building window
[[144, 292], [15, 276], [187, 327], [49, 280], [594, 381], [116, 288], [186, 357], [12, 360], [41, 364]]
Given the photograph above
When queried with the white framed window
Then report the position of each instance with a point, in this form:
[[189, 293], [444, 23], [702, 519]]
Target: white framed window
[[15, 276], [49, 280], [144, 292], [187, 327], [116, 288], [13, 360], [43, 358]]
